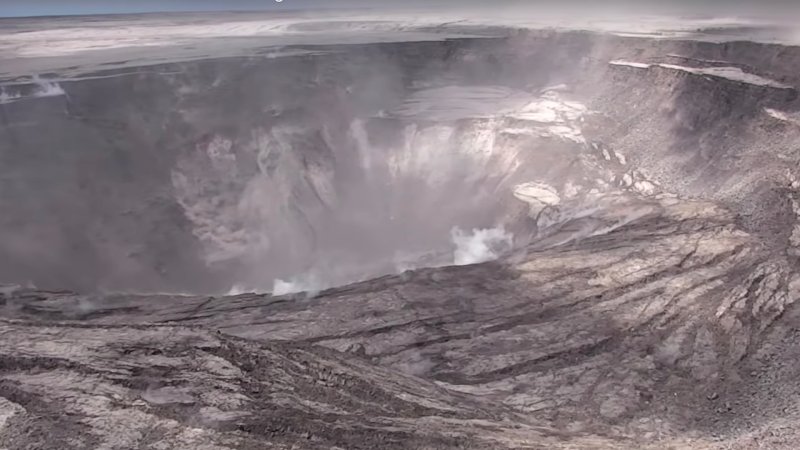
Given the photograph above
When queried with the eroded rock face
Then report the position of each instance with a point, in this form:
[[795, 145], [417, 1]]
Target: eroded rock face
[[672, 306], [182, 387], [639, 196]]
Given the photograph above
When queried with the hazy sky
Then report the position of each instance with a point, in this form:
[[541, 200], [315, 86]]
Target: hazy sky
[[9, 8], [15, 8]]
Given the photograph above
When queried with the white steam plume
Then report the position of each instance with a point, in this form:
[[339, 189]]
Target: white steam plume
[[43, 88], [6, 97], [479, 246], [307, 283], [46, 88]]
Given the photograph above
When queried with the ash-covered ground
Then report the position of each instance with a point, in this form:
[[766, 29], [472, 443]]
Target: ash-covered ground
[[276, 231]]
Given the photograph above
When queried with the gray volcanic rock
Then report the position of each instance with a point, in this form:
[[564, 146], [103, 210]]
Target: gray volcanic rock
[[182, 387], [632, 204], [671, 305]]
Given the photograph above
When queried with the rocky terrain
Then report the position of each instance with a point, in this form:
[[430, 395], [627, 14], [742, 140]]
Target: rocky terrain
[[516, 238]]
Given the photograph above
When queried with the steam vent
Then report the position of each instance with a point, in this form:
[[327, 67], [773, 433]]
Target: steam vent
[[399, 230]]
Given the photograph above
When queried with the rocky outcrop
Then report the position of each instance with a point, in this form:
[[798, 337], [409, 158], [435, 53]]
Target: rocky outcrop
[[78, 386], [673, 306]]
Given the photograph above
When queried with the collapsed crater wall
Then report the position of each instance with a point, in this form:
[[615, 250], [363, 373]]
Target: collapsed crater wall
[[652, 298], [356, 161], [185, 176]]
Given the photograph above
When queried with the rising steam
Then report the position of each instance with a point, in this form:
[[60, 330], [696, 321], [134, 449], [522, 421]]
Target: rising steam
[[480, 246], [40, 88], [308, 283], [477, 246]]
